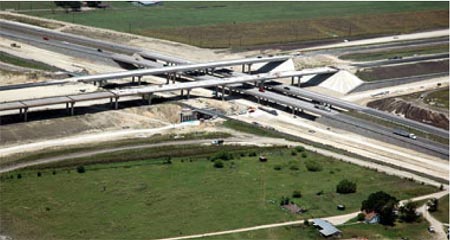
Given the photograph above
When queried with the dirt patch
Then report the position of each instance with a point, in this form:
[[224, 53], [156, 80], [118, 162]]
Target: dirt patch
[[132, 118], [404, 70], [411, 111]]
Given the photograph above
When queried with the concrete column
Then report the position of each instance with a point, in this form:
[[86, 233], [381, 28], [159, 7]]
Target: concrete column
[[258, 99], [182, 92], [116, 103], [20, 112], [25, 114], [292, 80], [188, 93], [293, 110], [139, 80], [132, 79], [243, 68], [216, 94], [110, 100], [250, 68], [223, 92], [72, 108], [299, 80]]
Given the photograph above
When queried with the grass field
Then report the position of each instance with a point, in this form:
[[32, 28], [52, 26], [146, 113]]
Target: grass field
[[147, 198], [7, 58], [439, 98], [443, 211], [405, 52], [237, 24], [412, 231]]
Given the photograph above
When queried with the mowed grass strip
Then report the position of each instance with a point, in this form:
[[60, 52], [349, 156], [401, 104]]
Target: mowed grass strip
[[238, 24], [13, 60], [404, 52], [150, 199]]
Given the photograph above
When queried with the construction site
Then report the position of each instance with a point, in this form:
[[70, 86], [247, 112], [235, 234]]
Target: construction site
[[75, 96]]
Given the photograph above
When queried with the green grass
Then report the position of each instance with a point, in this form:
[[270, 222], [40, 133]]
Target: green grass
[[404, 52], [442, 213], [408, 230], [149, 199], [439, 98], [237, 24], [7, 58]]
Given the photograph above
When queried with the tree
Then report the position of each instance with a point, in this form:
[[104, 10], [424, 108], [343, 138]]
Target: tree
[[81, 169], [346, 186], [223, 156], [19, 176], [39, 174], [299, 149], [218, 164], [408, 212], [383, 204], [433, 204], [361, 217]]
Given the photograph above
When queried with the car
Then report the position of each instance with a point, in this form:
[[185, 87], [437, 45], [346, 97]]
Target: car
[[45, 38], [261, 89], [431, 229], [286, 88], [99, 50]]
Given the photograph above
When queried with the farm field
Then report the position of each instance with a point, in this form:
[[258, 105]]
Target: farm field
[[395, 53], [404, 70], [158, 197], [412, 231], [243, 24]]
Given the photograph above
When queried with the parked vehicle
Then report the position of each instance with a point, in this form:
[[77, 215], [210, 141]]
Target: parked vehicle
[[217, 142], [323, 107], [45, 38], [404, 133]]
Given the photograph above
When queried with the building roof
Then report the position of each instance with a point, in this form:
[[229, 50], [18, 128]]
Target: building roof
[[327, 229]]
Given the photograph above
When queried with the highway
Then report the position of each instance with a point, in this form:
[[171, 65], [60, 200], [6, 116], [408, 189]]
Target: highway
[[299, 92], [152, 71]]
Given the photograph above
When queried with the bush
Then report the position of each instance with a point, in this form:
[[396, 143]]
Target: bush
[[304, 155], [54, 172], [284, 201], [361, 217], [313, 166], [223, 156], [345, 186], [19, 176], [293, 153], [294, 168], [39, 174], [408, 212], [218, 164], [306, 222], [252, 154], [80, 169], [277, 167], [296, 194], [299, 149]]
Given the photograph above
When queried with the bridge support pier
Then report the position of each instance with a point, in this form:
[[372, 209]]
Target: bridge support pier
[[132, 79], [139, 80], [116, 103], [223, 92], [299, 78], [182, 93], [216, 94], [72, 111], [150, 98], [25, 114], [188, 94]]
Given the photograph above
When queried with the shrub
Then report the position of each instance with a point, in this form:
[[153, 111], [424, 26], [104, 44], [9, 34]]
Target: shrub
[[218, 164], [306, 222], [252, 154], [319, 193], [346, 186], [304, 155], [277, 167], [294, 168], [299, 149], [54, 172], [360, 217], [19, 176], [313, 166], [80, 169], [39, 174], [284, 201], [222, 155], [242, 154], [293, 153], [408, 212], [296, 194]]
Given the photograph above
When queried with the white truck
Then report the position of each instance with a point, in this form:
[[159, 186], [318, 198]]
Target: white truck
[[404, 133]]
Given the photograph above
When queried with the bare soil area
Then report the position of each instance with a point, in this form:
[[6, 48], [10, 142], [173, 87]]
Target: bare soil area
[[133, 118], [412, 111]]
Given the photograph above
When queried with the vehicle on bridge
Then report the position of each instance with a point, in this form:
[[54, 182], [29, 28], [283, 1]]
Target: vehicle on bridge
[[325, 107]]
